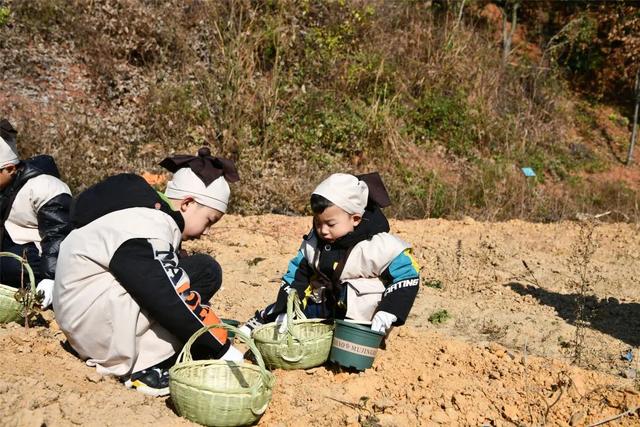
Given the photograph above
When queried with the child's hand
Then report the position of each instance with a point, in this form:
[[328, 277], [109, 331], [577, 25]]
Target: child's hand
[[382, 321], [46, 288], [233, 355], [282, 321]]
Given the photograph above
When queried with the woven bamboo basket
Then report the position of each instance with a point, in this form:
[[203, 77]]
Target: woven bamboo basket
[[304, 344], [11, 309], [217, 392]]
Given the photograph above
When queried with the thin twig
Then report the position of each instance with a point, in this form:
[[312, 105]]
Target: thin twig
[[25, 309], [624, 414], [530, 271]]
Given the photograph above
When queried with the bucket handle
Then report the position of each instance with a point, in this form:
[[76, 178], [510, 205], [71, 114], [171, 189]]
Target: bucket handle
[[32, 280], [185, 354]]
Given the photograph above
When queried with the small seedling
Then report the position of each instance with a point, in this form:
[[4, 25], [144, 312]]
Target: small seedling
[[439, 316], [433, 283], [255, 261], [585, 277]]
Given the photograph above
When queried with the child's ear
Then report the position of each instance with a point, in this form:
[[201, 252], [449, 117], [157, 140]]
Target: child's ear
[[11, 169], [185, 203], [357, 218]]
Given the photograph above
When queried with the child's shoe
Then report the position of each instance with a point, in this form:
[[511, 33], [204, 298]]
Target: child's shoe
[[251, 324], [152, 381]]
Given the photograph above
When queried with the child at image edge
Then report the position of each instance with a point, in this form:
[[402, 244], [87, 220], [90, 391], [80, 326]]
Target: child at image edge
[[124, 296], [34, 204], [349, 266]]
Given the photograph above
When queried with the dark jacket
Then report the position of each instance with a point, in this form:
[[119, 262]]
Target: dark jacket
[[53, 221]]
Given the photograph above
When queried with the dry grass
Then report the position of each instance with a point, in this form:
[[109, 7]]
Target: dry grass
[[296, 90]]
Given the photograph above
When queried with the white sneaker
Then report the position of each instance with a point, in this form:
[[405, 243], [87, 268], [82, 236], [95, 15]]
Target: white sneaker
[[252, 323]]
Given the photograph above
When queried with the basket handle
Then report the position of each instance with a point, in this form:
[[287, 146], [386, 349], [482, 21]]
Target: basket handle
[[32, 280], [185, 354], [293, 309], [260, 410]]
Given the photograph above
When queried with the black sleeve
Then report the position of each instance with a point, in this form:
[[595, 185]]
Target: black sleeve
[[402, 281], [149, 271], [54, 224], [297, 277]]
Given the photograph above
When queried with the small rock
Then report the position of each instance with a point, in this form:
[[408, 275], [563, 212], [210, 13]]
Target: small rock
[[494, 375], [341, 377], [629, 373], [510, 411], [576, 418], [407, 332], [16, 339], [391, 420], [384, 403], [451, 413], [497, 350], [53, 325], [440, 418], [94, 377]]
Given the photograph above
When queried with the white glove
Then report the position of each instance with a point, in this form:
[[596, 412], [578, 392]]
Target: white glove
[[233, 355], [245, 330], [46, 287], [382, 321], [282, 321]]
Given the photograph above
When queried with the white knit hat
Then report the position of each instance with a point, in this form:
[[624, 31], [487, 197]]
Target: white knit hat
[[8, 149], [185, 183], [345, 191]]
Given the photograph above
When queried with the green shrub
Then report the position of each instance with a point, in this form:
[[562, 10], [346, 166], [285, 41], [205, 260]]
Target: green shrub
[[444, 118], [5, 15], [438, 317]]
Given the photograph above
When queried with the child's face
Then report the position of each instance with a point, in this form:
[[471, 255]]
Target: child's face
[[334, 223], [198, 219], [6, 176]]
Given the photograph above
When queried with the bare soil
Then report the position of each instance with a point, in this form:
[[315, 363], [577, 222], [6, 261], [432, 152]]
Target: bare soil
[[502, 358]]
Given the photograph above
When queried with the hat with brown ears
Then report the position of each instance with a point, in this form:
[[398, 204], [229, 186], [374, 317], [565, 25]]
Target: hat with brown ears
[[203, 177]]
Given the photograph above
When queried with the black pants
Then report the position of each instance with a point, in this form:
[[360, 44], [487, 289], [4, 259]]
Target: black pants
[[205, 274], [11, 272]]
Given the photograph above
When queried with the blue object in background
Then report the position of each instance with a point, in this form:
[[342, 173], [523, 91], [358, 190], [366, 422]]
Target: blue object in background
[[628, 356], [528, 172]]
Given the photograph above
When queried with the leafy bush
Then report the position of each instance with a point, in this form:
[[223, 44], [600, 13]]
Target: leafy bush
[[5, 14], [440, 316]]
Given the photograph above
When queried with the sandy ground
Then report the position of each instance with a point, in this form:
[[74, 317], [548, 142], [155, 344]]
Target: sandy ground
[[502, 358]]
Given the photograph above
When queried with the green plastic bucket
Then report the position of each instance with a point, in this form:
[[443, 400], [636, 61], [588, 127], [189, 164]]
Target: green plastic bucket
[[232, 322], [354, 345]]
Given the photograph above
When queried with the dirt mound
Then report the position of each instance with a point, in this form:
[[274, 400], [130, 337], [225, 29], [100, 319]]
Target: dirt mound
[[501, 358]]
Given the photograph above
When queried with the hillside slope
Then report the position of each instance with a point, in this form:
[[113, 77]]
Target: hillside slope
[[295, 90]]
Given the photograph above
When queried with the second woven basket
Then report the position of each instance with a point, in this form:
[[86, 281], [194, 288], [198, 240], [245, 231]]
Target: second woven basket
[[304, 344]]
